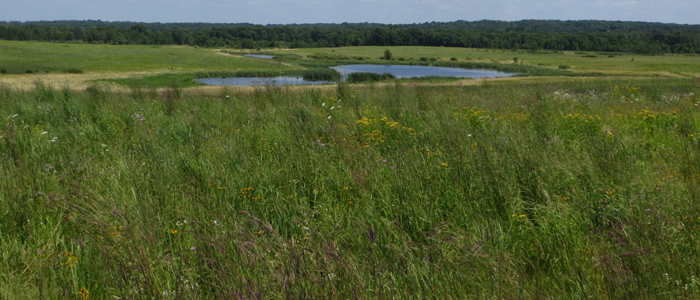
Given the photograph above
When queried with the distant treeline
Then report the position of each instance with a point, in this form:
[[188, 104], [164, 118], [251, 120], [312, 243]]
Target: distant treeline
[[607, 36]]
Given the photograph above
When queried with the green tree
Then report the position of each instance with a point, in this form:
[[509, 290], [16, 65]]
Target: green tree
[[387, 54]]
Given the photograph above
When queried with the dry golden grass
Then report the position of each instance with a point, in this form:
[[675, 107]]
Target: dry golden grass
[[74, 81]]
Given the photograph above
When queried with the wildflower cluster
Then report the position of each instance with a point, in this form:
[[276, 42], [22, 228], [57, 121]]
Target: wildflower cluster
[[627, 94], [138, 119], [475, 116], [115, 230], [374, 132], [37, 130], [479, 117], [328, 110], [428, 152], [652, 121], [245, 191], [677, 97], [574, 125], [70, 259]]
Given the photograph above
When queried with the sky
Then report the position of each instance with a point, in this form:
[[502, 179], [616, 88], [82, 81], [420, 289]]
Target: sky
[[351, 11]]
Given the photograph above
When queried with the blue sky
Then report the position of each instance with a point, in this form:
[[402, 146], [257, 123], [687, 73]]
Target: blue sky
[[338, 11]]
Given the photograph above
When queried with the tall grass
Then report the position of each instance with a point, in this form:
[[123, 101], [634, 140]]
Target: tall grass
[[584, 189], [317, 74]]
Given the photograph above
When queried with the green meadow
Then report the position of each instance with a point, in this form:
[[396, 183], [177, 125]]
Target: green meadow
[[626, 63], [528, 188], [42, 57]]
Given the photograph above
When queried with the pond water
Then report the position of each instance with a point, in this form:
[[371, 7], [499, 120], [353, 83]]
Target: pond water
[[252, 81], [404, 71], [260, 56], [400, 71]]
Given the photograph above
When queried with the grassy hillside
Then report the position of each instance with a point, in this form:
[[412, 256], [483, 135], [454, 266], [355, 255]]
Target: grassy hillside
[[18, 57], [580, 189]]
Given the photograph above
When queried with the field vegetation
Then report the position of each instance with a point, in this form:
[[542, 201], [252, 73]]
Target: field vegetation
[[40, 57], [580, 189], [77, 65], [619, 64]]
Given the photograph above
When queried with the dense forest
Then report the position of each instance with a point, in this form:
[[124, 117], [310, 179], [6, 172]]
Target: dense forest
[[608, 36]]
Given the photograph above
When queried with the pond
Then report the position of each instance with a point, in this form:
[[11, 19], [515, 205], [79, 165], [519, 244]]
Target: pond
[[404, 71], [259, 56], [400, 71], [253, 81]]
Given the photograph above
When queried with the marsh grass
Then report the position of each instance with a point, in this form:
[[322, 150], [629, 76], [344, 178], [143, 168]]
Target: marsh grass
[[368, 76], [584, 189]]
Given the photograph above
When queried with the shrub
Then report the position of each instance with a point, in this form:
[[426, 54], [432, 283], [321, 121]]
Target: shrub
[[453, 58], [433, 59], [368, 76], [3, 71], [75, 71], [320, 74], [387, 54], [423, 59], [401, 59], [563, 67], [29, 71]]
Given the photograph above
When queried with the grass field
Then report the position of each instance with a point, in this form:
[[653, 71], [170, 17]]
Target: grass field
[[552, 187], [570, 190], [161, 65], [39, 57]]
